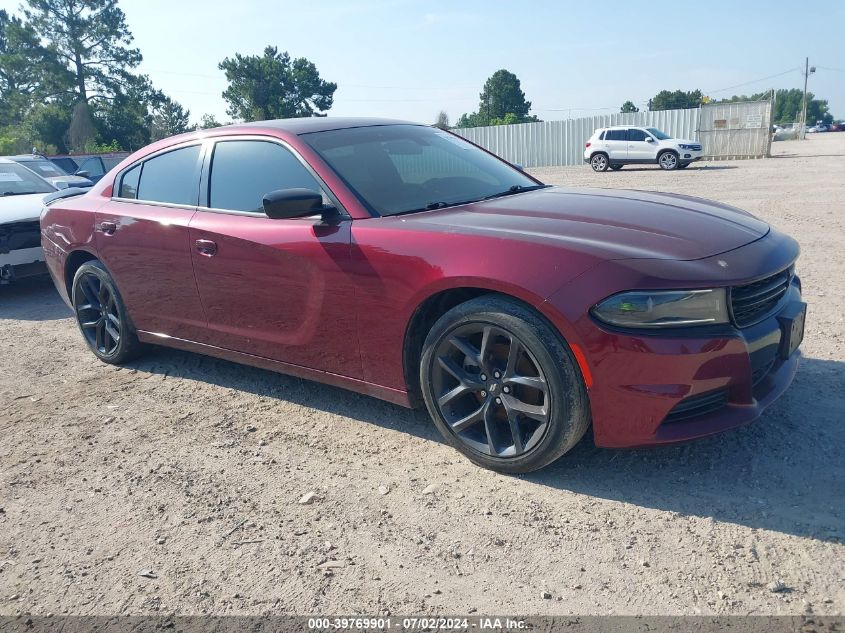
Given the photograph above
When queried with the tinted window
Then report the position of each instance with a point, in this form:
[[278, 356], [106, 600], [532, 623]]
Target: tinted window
[[403, 168], [172, 177], [242, 172], [616, 135], [601, 136], [67, 164], [129, 183], [94, 167], [636, 135]]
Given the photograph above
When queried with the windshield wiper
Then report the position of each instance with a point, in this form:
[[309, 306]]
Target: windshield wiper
[[513, 190], [19, 193]]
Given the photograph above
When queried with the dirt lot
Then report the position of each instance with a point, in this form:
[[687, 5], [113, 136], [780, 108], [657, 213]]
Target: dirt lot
[[192, 469]]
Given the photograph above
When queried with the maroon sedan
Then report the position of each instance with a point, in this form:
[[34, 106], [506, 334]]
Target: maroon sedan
[[406, 263]]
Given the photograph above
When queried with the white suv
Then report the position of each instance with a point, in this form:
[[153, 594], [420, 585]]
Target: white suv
[[626, 145]]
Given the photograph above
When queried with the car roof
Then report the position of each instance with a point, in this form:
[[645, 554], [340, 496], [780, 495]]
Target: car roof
[[316, 124], [623, 127], [25, 157]]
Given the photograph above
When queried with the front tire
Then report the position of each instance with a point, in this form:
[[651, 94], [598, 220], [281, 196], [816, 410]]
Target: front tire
[[101, 315], [502, 386], [599, 162], [668, 160]]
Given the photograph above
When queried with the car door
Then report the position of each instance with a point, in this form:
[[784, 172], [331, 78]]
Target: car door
[[276, 288], [141, 236], [639, 148], [616, 142]]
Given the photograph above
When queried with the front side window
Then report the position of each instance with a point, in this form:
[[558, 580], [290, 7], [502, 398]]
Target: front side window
[[94, 167], [243, 172], [661, 136], [16, 180], [636, 135], [402, 168], [172, 177], [616, 135]]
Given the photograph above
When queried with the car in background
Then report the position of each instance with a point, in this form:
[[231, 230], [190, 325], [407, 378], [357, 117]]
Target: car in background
[[51, 172], [91, 166], [404, 262], [613, 147], [22, 194]]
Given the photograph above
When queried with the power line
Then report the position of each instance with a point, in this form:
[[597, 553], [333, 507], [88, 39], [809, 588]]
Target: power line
[[839, 70], [754, 81]]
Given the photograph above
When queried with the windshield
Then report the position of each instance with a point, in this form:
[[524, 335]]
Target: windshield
[[660, 136], [44, 168], [16, 180], [402, 168]]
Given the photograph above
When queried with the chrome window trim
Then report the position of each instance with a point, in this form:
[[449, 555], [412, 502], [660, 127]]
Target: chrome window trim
[[118, 180]]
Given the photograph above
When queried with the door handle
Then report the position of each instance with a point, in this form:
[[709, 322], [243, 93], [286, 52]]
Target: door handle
[[206, 247], [108, 228]]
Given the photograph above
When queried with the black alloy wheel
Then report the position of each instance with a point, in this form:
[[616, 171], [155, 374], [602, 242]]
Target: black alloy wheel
[[101, 315], [502, 386], [490, 390]]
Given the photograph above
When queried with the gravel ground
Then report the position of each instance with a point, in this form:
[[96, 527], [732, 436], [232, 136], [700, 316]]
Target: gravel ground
[[184, 484]]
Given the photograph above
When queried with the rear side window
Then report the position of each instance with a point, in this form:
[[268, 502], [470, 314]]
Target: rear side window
[[243, 172], [616, 135], [601, 136], [172, 177], [129, 183], [636, 135]]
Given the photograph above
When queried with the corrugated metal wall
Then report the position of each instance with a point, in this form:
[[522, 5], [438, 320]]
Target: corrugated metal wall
[[553, 143], [736, 130]]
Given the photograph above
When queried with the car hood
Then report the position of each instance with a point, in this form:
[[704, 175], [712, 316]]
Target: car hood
[[610, 223], [21, 208]]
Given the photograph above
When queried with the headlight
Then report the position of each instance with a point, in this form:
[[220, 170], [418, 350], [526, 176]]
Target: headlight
[[682, 146], [659, 309]]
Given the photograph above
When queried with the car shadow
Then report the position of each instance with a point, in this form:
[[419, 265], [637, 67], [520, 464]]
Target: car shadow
[[32, 299], [657, 168], [784, 472]]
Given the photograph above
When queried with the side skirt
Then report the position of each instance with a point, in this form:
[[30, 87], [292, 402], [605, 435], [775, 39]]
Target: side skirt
[[395, 396]]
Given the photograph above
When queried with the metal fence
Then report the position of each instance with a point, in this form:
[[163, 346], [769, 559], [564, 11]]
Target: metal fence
[[736, 130], [552, 143]]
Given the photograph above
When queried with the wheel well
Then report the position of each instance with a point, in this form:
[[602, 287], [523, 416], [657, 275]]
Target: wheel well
[[602, 152], [74, 261], [668, 149]]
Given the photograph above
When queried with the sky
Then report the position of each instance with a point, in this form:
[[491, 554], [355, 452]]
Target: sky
[[409, 59]]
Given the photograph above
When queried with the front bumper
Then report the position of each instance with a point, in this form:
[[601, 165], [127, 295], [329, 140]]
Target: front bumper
[[661, 389]]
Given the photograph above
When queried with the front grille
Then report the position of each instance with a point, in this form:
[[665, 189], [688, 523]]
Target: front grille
[[17, 235], [752, 302], [694, 148], [697, 405]]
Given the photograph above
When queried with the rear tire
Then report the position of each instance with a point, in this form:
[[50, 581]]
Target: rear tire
[[599, 162], [668, 160], [502, 386], [102, 317]]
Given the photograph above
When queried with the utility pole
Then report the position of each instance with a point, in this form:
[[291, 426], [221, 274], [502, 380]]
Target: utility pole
[[807, 71]]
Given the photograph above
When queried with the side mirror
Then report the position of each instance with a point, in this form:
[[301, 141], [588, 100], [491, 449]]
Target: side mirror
[[82, 173], [292, 203], [648, 139]]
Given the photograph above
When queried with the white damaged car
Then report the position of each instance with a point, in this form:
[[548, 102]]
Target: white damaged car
[[22, 195]]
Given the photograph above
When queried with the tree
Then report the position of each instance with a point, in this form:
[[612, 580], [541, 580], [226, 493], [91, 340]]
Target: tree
[[29, 72], [91, 38], [502, 96], [677, 100], [442, 121], [169, 118], [788, 105], [273, 86], [629, 106], [127, 117], [208, 121]]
